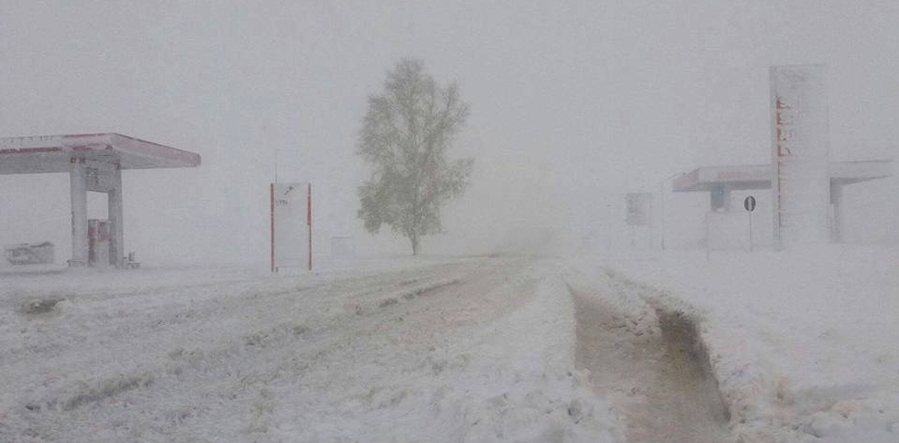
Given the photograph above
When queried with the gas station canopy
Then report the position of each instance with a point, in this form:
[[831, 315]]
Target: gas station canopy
[[94, 163], [759, 176], [54, 153], [719, 181]]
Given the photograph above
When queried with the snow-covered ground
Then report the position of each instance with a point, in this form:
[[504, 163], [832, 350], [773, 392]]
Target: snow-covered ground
[[803, 347], [465, 350], [805, 344]]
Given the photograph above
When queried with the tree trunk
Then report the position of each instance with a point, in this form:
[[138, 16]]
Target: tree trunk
[[414, 239]]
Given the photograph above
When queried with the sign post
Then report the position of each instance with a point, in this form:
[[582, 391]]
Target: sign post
[[291, 225], [639, 212], [749, 205]]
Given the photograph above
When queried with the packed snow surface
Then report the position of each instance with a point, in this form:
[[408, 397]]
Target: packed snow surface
[[469, 350]]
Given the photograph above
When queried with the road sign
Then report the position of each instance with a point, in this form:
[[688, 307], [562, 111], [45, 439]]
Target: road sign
[[291, 235], [749, 203], [639, 208]]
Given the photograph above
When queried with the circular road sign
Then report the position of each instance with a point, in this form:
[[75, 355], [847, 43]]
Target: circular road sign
[[749, 203]]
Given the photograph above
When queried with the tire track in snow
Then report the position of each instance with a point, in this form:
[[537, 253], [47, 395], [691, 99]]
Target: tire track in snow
[[651, 370]]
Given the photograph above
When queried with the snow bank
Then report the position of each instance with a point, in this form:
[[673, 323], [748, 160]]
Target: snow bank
[[803, 343]]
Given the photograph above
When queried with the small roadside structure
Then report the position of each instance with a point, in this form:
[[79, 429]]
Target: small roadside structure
[[29, 254]]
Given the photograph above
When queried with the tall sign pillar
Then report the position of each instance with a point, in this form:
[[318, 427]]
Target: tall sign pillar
[[800, 155]]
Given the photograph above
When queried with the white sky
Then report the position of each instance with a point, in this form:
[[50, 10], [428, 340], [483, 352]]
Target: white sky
[[573, 104]]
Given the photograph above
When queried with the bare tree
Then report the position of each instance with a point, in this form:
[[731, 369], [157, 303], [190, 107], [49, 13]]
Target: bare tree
[[405, 136]]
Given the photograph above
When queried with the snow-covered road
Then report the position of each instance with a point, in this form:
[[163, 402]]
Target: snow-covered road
[[464, 350], [797, 347]]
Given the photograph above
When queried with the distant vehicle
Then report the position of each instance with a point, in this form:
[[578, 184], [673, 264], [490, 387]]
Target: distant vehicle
[[29, 254]]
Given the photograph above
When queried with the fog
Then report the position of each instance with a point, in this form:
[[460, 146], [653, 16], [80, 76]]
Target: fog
[[573, 104]]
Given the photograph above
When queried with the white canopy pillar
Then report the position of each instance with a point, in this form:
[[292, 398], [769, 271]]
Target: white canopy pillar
[[78, 189], [719, 198], [116, 220]]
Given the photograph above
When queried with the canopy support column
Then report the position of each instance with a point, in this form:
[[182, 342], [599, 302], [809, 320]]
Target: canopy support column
[[720, 198], [836, 199], [78, 189], [116, 220]]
